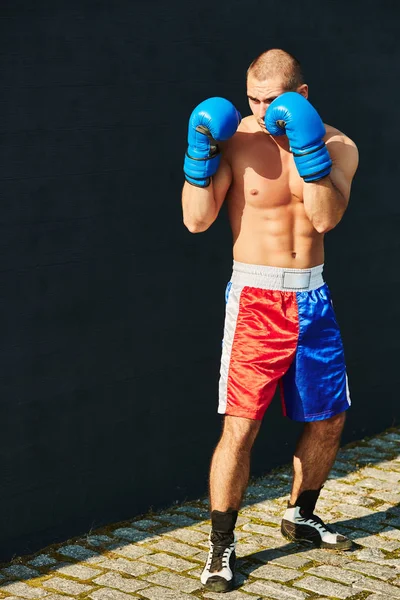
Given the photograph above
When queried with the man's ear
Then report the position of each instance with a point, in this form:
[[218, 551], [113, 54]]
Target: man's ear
[[303, 90]]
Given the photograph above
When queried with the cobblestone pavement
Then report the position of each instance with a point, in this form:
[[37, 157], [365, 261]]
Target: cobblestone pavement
[[160, 556]]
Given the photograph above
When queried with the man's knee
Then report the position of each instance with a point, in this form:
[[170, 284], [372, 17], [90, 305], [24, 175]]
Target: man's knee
[[240, 433]]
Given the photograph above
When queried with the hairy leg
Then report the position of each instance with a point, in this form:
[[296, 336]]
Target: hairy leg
[[230, 465], [315, 454]]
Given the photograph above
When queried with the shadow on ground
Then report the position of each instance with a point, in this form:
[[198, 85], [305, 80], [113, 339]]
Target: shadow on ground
[[272, 487]]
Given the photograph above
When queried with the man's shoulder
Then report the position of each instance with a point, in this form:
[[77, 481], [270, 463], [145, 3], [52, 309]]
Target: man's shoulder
[[335, 135], [342, 149]]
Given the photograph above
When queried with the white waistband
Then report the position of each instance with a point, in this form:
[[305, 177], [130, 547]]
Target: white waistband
[[277, 278]]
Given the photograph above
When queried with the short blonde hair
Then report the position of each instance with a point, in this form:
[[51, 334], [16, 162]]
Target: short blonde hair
[[274, 62]]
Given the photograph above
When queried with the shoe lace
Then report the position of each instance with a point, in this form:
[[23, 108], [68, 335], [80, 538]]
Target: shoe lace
[[218, 558], [316, 521]]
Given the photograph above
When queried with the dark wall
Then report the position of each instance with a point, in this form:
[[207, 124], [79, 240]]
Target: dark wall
[[112, 312]]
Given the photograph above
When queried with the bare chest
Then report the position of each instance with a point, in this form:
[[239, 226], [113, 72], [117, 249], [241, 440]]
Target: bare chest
[[264, 173]]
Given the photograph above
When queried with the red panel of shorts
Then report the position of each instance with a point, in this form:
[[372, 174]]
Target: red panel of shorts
[[263, 348]]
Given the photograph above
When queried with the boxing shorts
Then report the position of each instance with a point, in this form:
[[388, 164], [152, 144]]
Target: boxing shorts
[[280, 328]]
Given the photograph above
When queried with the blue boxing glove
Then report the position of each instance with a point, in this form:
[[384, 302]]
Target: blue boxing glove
[[293, 115], [214, 120]]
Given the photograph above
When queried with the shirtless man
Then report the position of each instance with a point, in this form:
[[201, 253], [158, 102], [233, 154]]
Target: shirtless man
[[286, 178]]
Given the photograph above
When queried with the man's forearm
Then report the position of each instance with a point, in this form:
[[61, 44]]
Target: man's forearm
[[199, 207], [324, 204]]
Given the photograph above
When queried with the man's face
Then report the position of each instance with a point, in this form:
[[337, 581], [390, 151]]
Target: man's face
[[262, 93]]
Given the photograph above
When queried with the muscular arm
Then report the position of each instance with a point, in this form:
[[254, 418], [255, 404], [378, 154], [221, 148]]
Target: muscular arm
[[326, 200], [201, 205]]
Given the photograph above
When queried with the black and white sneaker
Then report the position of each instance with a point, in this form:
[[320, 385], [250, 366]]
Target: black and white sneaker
[[297, 526], [218, 573]]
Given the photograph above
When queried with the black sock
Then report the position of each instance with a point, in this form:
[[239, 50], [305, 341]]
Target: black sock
[[307, 501], [223, 525]]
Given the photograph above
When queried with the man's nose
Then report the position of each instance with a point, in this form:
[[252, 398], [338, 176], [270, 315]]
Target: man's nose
[[263, 109]]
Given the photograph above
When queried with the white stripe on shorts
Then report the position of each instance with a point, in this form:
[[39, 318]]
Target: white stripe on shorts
[[232, 311], [348, 390]]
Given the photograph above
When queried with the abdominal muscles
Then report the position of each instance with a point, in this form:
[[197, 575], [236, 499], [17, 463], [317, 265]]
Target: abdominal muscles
[[269, 223]]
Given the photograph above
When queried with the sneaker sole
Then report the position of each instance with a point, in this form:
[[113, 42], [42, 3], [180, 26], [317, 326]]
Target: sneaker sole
[[347, 545]]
